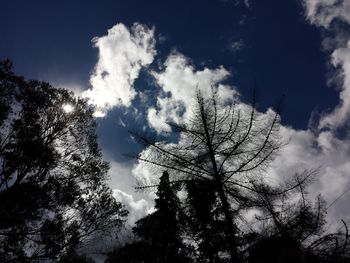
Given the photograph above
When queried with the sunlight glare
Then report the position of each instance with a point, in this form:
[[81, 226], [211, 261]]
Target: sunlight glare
[[68, 108]]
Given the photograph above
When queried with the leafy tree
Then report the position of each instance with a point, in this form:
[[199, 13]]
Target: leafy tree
[[53, 191], [226, 146]]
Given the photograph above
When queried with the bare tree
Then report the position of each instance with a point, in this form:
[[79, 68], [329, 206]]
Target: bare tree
[[289, 220], [229, 146]]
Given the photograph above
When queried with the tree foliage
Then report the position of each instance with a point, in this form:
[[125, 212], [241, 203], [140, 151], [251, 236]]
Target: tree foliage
[[53, 192]]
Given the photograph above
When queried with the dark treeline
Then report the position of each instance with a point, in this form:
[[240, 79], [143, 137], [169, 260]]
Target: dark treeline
[[54, 195]]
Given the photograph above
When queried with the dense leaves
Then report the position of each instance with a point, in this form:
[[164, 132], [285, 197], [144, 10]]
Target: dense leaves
[[53, 192]]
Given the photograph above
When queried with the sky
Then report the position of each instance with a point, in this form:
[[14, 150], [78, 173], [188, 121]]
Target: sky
[[139, 63]]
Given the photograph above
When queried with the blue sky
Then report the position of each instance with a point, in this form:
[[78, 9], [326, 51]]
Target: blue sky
[[298, 48], [279, 48]]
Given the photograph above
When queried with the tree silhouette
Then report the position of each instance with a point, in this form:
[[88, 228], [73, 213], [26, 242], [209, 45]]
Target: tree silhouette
[[277, 250], [297, 226], [53, 191], [292, 214], [202, 218], [162, 228], [159, 234], [227, 146]]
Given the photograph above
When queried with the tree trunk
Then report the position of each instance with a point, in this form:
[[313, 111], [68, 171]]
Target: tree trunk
[[230, 234]]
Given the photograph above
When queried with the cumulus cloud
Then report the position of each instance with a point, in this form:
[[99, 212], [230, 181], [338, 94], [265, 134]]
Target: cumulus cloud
[[137, 209], [122, 54], [123, 181], [178, 83]]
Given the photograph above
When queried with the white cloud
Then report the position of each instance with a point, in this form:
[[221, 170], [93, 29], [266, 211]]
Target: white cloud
[[341, 114], [146, 175], [122, 54], [321, 148], [123, 182], [306, 150], [325, 152], [120, 175], [324, 14], [179, 82], [137, 209]]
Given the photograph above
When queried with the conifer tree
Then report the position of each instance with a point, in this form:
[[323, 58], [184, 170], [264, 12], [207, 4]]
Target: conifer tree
[[162, 228], [202, 217], [159, 234]]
